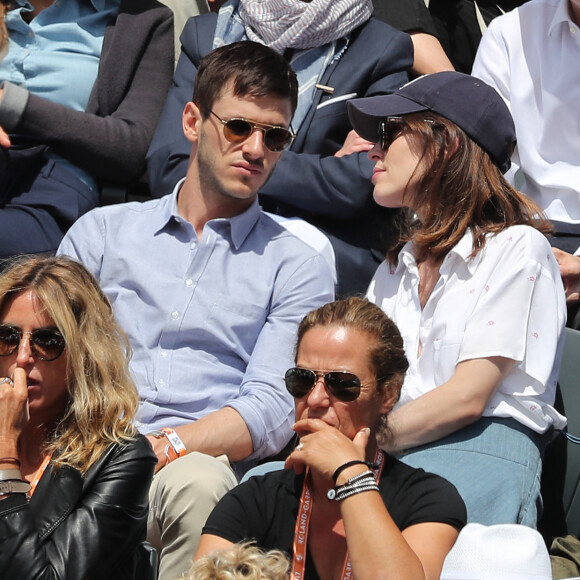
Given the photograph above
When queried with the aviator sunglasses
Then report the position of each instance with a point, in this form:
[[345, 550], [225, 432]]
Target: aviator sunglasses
[[343, 385], [45, 343], [236, 130]]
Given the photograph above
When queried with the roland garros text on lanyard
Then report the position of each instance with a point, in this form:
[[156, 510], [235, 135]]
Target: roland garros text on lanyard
[[303, 520]]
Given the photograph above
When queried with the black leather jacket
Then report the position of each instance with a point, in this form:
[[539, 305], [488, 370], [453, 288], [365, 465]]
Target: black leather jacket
[[77, 528]]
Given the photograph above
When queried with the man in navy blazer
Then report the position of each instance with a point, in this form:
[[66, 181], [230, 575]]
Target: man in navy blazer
[[331, 192]]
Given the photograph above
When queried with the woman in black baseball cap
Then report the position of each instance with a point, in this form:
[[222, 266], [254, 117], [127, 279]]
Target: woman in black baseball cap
[[472, 283]]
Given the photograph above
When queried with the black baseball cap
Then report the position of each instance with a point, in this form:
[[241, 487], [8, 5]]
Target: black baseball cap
[[467, 101]]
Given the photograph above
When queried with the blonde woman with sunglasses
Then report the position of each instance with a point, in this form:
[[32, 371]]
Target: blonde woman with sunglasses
[[74, 473]]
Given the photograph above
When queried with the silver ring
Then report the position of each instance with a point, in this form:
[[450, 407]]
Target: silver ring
[[300, 446], [7, 380]]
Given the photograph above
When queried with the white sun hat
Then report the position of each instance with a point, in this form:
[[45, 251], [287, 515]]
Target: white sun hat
[[499, 552]]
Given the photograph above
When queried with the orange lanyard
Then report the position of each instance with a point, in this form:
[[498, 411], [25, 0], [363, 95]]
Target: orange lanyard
[[38, 475], [299, 544]]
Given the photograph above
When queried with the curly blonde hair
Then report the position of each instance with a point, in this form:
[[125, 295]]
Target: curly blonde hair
[[102, 399], [242, 561]]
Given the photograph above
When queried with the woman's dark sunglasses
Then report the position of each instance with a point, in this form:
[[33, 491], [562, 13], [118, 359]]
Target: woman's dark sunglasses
[[391, 127], [342, 385], [389, 130], [46, 344], [238, 130]]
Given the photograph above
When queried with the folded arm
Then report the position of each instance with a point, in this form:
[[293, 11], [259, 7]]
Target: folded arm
[[453, 405], [110, 141], [257, 422]]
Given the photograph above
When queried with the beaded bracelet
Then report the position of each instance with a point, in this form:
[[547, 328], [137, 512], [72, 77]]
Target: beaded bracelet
[[371, 486], [362, 482], [13, 460]]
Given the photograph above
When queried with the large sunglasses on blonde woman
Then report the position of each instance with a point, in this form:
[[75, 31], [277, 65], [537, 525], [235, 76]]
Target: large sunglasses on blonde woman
[[237, 130], [343, 385], [47, 344]]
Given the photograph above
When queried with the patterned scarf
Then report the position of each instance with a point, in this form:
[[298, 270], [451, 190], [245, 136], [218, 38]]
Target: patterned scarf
[[319, 30]]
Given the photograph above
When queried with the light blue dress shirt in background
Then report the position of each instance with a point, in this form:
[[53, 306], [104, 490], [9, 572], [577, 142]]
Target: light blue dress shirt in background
[[56, 55], [212, 322]]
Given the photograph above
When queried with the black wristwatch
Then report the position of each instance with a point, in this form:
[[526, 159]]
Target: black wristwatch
[[10, 486]]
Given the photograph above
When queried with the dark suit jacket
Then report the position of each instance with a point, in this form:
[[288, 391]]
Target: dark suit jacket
[[334, 194], [80, 528]]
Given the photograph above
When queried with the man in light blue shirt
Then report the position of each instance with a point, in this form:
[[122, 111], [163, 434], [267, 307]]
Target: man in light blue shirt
[[210, 291]]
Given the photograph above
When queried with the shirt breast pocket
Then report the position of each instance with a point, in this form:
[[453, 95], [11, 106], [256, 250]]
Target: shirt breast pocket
[[335, 106], [236, 322]]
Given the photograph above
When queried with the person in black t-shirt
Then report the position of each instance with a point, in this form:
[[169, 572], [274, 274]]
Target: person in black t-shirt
[[342, 507]]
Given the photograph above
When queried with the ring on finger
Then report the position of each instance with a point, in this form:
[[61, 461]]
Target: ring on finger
[[7, 380], [300, 446]]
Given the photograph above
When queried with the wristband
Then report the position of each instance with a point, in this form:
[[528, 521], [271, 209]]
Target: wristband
[[176, 447], [14, 486], [10, 474], [362, 482], [371, 486], [348, 464]]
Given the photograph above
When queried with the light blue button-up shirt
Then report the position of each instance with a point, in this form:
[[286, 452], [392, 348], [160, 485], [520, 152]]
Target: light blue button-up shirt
[[212, 322], [56, 55]]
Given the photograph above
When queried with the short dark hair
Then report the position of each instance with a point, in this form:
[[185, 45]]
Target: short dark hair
[[250, 68]]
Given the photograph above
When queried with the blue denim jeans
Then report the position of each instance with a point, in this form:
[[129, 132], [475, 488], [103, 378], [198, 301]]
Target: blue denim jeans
[[495, 464]]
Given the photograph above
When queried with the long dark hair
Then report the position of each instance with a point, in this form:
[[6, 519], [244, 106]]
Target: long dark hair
[[461, 189]]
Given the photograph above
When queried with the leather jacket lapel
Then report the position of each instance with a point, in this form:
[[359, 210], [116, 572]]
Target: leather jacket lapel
[[55, 497]]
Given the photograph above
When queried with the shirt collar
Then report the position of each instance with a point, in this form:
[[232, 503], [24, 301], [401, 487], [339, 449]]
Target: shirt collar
[[240, 225], [462, 251], [561, 16]]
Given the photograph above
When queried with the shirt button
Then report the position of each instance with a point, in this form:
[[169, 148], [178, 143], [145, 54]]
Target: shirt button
[[192, 246], [189, 282], [161, 382], [175, 315], [163, 354]]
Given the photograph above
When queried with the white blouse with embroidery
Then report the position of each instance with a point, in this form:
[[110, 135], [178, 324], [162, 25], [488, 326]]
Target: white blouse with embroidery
[[507, 301]]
